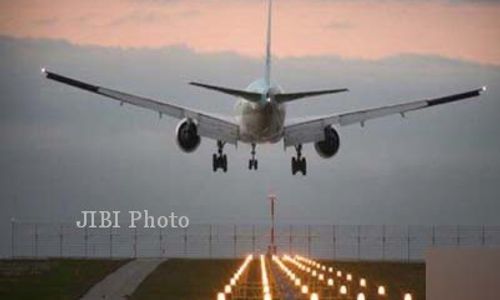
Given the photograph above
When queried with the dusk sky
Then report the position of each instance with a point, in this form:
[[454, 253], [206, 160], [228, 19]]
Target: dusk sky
[[462, 29], [65, 150]]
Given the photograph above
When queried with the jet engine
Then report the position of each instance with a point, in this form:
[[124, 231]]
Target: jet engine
[[328, 147], [187, 135]]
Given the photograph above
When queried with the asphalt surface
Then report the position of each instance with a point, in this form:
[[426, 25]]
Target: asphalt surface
[[122, 283]]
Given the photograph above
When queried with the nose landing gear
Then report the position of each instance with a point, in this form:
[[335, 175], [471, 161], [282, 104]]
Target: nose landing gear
[[252, 162], [219, 159], [299, 163]]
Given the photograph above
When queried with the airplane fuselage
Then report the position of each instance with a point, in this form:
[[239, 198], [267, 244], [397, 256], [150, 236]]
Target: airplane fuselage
[[261, 122]]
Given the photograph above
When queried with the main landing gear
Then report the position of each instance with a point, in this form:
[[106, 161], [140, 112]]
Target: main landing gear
[[252, 162], [219, 159], [299, 163]]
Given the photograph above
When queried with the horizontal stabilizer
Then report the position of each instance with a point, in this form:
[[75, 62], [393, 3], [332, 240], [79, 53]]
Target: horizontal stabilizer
[[294, 96], [250, 96]]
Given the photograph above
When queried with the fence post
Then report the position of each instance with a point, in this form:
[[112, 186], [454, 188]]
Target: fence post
[[160, 240], [210, 241], [383, 242], [309, 240], [185, 241], [253, 238], [235, 240], [359, 242], [135, 242], [60, 240], [334, 242], [12, 236], [110, 242], [86, 242], [408, 241], [483, 235], [36, 239], [433, 235]]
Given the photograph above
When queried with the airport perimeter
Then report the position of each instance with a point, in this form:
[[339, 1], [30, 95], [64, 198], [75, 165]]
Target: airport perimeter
[[335, 242]]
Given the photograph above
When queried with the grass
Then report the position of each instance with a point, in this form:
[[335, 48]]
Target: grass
[[53, 278], [397, 277], [182, 279], [194, 279], [176, 279]]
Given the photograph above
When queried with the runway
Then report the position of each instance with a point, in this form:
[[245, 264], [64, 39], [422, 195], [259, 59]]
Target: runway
[[123, 282]]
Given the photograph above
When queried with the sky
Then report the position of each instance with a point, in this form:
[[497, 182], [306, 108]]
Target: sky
[[468, 30], [64, 150]]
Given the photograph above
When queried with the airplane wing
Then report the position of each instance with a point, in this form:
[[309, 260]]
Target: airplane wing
[[209, 125], [312, 130]]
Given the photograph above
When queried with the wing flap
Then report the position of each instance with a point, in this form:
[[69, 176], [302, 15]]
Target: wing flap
[[304, 133], [212, 128]]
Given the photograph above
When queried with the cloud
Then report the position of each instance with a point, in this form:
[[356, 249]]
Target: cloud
[[139, 17], [45, 21], [151, 17], [351, 29], [64, 149], [339, 25]]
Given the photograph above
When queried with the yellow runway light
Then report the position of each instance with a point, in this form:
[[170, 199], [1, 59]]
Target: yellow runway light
[[362, 282], [330, 282], [343, 290], [381, 290], [361, 296], [304, 289], [297, 282]]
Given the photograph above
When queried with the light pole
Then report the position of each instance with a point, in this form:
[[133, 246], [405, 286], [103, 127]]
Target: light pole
[[272, 247]]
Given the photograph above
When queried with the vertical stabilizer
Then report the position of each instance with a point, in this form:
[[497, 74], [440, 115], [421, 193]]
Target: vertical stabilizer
[[267, 75]]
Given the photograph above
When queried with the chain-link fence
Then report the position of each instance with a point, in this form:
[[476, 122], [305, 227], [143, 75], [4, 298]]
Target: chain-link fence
[[37, 240]]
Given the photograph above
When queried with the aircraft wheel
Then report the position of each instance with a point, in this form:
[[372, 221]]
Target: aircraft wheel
[[256, 164], [215, 164], [304, 166], [224, 163], [294, 166], [252, 164]]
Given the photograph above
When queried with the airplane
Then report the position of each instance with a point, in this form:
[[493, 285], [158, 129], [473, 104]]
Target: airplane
[[260, 114]]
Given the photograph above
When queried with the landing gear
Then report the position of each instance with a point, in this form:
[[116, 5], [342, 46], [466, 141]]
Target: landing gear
[[219, 160], [299, 163], [252, 162]]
